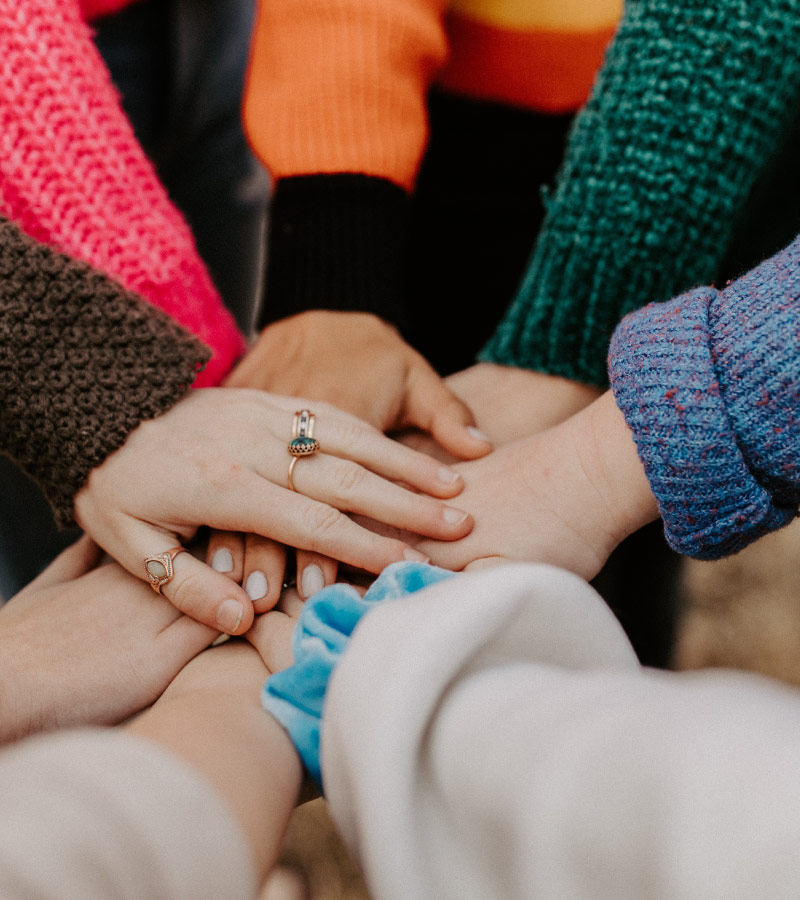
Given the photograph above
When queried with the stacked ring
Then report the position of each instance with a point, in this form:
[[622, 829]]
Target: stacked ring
[[303, 442]]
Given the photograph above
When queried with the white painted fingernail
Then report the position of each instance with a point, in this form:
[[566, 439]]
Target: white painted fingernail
[[312, 581], [416, 556], [222, 560], [454, 516], [478, 434], [448, 476], [256, 585], [229, 615]]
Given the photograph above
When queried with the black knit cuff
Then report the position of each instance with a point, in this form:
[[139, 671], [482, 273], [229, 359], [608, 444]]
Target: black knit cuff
[[336, 242]]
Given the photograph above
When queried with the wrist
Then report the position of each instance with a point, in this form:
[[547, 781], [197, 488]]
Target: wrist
[[611, 461]]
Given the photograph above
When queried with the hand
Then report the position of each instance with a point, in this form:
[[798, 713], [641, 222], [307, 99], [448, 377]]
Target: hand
[[85, 645], [219, 458], [566, 496], [510, 403], [360, 364]]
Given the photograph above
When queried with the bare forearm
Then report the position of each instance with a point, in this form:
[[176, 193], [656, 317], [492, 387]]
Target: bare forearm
[[214, 722]]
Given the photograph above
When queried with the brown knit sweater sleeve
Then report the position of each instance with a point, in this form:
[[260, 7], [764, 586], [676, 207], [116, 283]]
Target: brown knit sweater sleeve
[[82, 363]]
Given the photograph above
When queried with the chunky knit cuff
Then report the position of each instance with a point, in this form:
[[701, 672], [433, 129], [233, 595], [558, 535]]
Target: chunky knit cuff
[[82, 363], [336, 242], [710, 385], [692, 101]]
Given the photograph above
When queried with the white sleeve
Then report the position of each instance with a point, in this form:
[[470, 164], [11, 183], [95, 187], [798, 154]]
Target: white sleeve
[[104, 815], [494, 738]]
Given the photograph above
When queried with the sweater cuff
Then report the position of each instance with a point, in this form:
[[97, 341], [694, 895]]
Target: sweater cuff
[[82, 363], [296, 696], [336, 242], [665, 382]]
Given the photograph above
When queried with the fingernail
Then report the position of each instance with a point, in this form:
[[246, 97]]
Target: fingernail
[[312, 581], [229, 615], [454, 516], [416, 556], [448, 476], [222, 560], [256, 585], [478, 434]]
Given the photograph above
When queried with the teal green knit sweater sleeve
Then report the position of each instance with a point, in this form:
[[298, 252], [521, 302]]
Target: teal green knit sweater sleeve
[[692, 102]]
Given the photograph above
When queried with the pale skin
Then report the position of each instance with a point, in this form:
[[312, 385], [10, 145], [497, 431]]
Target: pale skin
[[219, 458], [332, 356], [88, 644], [566, 496], [358, 363], [210, 716]]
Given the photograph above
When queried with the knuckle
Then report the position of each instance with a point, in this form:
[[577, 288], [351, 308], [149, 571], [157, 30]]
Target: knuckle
[[186, 593], [323, 519], [348, 478], [349, 433]]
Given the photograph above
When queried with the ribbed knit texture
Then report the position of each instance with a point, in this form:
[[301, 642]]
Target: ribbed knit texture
[[337, 242], [710, 385], [82, 363], [73, 175], [340, 85], [692, 101]]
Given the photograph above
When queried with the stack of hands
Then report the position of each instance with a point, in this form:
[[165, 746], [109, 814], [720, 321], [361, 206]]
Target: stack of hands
[[492, 464]]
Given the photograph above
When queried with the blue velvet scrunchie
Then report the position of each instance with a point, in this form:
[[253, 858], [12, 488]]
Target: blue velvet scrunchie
[[296, 696]]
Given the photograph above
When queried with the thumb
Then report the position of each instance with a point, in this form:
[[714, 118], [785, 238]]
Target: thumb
[[432, 407], [189, 584]]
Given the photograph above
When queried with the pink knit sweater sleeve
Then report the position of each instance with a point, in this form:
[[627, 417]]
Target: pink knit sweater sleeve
[[73, 176]]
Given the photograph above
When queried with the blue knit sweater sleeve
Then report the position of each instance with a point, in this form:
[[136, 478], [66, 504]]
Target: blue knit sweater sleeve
[[709, 383]]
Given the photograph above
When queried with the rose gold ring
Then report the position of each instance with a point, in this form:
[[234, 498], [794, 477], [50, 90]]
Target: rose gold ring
[[159, 568], [303, 442]]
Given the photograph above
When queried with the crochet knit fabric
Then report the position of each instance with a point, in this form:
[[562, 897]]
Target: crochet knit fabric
[[710, 385], [73, 175], [691, 103], [82, 363]]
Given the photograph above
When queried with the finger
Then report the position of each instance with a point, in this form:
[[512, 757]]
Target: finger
[[225, 554], [180, 642], [485, 562], [433, 407], [195, 588], [454, 555], [78, 559], [350, 487], [271, 635], [257, 505], [314, 571], [291, 603], [264, 567], [342, 435]]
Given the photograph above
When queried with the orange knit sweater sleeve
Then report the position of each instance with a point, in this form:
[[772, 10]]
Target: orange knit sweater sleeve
[[340, 85]]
